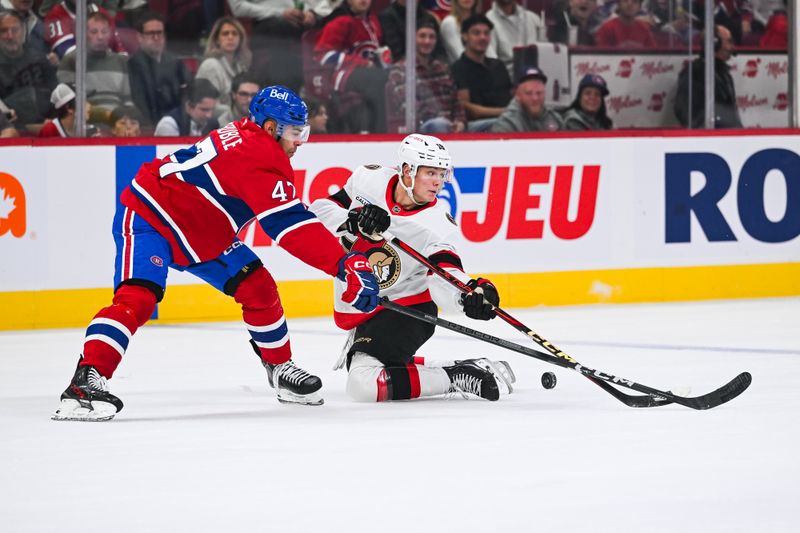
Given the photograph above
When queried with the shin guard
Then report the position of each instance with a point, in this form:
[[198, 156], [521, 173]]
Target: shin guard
[[263, 315], [110, 330]]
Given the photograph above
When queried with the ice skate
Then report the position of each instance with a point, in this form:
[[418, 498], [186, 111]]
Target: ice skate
[[293, 384], [467, 377], [501, 371], [87, 398]]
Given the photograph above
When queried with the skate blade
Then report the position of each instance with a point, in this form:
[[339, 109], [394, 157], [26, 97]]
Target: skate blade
[[502, 373], [76, 411], [314, 398]]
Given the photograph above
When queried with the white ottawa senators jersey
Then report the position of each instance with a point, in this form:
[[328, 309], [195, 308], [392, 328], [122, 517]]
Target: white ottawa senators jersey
[[428, 229]]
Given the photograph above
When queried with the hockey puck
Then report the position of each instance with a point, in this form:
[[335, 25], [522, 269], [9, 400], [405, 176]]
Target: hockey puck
[[548, 380]]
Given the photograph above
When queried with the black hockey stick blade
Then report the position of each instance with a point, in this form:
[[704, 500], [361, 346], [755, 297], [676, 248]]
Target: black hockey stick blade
[[707, 401], [724, 394], [631, 400]]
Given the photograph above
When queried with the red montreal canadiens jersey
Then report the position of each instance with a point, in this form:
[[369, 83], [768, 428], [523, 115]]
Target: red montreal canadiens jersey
[[347, 42], [199, 197], [59, 33]]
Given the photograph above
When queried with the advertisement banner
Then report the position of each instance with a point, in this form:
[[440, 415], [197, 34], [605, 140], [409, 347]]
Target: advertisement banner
[[642, 87], [524, 206]]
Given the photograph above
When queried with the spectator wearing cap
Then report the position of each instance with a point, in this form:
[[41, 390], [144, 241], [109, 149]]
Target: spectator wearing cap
[[484, 86], [626, 30], [438, 109], [527, 112], [243, 88], [126, 121], [157, 76], [26, 76], [34, 28], [513, 26], [588, 111], [107, 82], [63, 100], [195, 117]]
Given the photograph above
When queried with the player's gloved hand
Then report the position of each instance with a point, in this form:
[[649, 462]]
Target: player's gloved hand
[[480, 303], [362, 287], [370, 221]]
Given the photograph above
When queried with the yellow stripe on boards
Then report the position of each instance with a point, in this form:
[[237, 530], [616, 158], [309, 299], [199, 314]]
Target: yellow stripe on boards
[[201, 303]]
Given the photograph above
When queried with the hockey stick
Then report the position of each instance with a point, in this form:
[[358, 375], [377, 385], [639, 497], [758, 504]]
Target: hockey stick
[[724, 394], [628, 399]]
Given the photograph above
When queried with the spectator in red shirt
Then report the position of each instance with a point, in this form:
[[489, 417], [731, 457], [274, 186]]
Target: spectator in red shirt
[[352, 44], [624, 30], [776, 35]]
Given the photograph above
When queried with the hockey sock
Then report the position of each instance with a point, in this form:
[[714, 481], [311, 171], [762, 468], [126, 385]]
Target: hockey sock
[[411, 381], [110, 330], [263, 315]]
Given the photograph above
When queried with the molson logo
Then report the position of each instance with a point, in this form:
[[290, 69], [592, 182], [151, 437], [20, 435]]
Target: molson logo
[[12, 206], [776, 69], [657, 101], [625, 68], [751, 68], [618, 103], [655, 68], [594, 67]]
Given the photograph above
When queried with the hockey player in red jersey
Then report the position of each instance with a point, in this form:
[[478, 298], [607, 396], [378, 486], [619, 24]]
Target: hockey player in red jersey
[[184, 211], [380, 352]]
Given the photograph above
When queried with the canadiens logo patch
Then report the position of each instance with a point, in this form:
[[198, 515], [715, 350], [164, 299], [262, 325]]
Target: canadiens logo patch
[[385, 264], [157, 261]]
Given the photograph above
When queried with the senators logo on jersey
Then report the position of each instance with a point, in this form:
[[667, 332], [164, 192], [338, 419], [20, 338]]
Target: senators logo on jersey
[[385, 263]]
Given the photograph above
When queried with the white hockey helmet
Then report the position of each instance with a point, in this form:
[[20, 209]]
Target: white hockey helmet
[[419, 150]]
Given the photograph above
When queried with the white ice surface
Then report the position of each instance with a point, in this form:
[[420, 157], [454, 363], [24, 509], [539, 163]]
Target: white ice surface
[[202, 444]]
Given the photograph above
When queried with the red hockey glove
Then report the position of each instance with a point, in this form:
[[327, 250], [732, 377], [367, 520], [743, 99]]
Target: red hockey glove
[[362, 287], [370, 221], [480, 303]]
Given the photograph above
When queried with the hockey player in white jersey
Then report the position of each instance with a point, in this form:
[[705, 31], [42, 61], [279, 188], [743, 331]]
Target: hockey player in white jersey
[[381, 350]]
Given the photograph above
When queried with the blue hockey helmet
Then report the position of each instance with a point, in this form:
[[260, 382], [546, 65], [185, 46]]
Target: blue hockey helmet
[[284, 107]]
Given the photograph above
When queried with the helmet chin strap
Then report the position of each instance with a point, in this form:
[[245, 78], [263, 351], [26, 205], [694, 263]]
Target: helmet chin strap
[[412, 172]]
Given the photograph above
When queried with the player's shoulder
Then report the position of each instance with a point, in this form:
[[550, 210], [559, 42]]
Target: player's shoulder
[[374, 172], [371, 177]]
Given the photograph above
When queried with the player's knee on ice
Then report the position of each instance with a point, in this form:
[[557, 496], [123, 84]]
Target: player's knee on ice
[[369, 380]]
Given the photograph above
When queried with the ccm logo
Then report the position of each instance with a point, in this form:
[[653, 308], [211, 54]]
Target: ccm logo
[[361, 264]]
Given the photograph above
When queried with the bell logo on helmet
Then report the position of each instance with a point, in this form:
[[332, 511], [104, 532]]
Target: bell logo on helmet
[[280, 95], [279, 104]]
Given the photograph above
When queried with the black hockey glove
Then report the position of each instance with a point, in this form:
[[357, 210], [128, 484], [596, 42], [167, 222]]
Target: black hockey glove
[[370, 221], [480, 303]]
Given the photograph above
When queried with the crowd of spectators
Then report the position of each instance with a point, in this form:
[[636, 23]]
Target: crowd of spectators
[[146, 76]]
